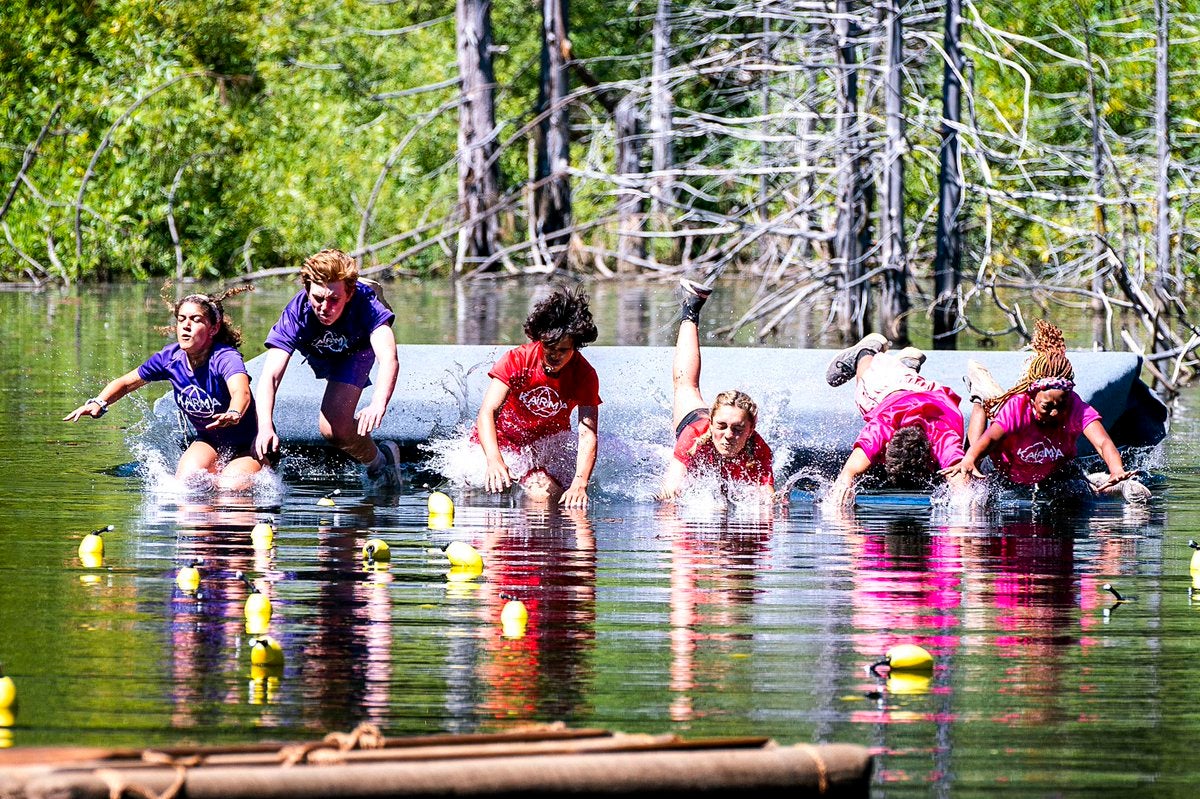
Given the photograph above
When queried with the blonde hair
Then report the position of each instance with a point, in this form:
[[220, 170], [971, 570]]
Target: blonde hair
[[329, 266], [1049, 361], [732, 399]]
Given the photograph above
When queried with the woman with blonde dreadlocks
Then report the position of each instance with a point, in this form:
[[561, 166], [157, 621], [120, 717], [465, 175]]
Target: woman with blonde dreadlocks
[[720, 439], [212, 389], [1036, 424]]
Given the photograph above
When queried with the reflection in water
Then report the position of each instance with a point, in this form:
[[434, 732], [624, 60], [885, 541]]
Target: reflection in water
[[547, 561], [713, 569]]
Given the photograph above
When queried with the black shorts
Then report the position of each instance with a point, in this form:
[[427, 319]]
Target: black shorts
[[693, 416]]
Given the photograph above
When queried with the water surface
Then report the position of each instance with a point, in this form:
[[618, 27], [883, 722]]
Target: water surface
[[643, 618]]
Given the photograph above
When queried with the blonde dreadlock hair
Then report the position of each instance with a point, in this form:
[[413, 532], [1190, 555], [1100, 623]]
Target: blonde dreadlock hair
[[213, 307], [1048, 367], [734, 399]]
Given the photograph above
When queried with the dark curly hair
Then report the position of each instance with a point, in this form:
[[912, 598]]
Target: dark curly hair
[[563, 313], [908, 459]]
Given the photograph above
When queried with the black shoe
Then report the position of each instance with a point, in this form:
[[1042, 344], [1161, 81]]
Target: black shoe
[[843, 366]]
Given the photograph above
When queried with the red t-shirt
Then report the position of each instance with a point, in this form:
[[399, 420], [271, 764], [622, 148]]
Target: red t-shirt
[[751, 465], [539, 404]]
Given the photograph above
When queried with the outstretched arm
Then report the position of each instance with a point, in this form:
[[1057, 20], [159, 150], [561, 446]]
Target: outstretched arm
[[585, 460], [383, 342], [1098, 437], [672, 480], [272, 375], [239, 402], [117, 388], [497, 478], [841, 493], [968, 467]]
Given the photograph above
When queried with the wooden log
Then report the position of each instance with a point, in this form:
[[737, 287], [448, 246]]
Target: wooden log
[[795, 771]]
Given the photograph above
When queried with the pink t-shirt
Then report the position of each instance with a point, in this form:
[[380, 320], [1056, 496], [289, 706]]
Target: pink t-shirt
[[1030, 451], [539, 404], [936, 412]]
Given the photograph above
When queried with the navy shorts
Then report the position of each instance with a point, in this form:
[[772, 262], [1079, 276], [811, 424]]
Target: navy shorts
[[693, 416], [353, 368]]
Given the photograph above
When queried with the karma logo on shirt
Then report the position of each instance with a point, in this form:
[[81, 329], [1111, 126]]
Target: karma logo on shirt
[[331, 342], [543, 401], [1041, 452], [194, 401]]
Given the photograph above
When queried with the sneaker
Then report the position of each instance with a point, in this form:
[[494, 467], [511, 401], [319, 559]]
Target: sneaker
[[981, 386], [843, 366], [912, 357], [695, 289], [391, 463], [1134, 490]]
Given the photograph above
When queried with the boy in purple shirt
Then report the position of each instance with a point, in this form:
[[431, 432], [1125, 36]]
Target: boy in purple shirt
[[341, 327], [212, 389]]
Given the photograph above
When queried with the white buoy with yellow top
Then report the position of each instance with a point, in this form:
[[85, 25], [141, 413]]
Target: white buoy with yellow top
[[188, 577], [907, 658], [92, 545], [262, 535]]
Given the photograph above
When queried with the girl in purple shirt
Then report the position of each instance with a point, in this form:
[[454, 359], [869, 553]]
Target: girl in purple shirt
[[211, 386]]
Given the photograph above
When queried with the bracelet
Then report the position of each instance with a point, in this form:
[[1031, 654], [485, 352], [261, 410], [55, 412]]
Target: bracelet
[[235, 412], [103, 405]]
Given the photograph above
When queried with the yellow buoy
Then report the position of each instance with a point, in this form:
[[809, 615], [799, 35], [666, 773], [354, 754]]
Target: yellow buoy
[[262, 535], [327, 500], [907, 682], [463, 555], [376, 550], [93, 542], [1195, 564], [258, 605], [8, 691], [440, 521], [513, 617], [90, 560], [265, 651], [905, 657], [188, 578], [462, 574], [440, 504]]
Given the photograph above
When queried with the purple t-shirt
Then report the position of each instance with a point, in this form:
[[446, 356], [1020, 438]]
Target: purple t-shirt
[[1030, 451], [203, 394], [298, 329], [936, 412]]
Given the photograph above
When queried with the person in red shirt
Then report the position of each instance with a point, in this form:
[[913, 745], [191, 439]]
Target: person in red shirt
[[534, 388], [719, 439]]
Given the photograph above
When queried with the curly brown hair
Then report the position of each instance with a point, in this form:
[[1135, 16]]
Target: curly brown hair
[[908, 458], [1049, 360]]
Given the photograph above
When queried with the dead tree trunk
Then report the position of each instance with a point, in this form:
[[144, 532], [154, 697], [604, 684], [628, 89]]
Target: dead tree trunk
[[947, 263], [1163, 288], [893, 295], [478, 168], [1099, 248], [662, 193], [631, 207], [554, 138], [850, 306]]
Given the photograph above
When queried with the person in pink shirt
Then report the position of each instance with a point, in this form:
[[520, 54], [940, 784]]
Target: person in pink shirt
[[719, 439], [1036, 425], [529, 401], [913, 425]]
